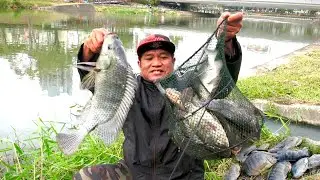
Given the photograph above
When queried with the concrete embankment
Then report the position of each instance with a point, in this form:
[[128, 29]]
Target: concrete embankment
[[302, 113]]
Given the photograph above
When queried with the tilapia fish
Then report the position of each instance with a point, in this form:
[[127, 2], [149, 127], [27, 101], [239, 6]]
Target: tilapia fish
[[300, 167], [233, 173], [114, 89], [208, 75], [257, 162], [279, 171], [208, 131]]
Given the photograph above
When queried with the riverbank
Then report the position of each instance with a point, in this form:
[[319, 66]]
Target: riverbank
[[25, 159], [288, 85], [26, 4]]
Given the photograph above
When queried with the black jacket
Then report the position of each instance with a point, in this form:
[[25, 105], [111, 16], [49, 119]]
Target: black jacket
[[148, 150]]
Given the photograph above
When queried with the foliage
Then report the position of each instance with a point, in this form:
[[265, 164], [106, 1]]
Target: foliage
[[297, 81], [132, 10], [39, 157], [4, 4], [45, 161], [25, 4]]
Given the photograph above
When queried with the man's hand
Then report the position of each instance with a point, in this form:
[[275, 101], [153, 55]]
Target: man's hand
[[93, 43], [234, 25]]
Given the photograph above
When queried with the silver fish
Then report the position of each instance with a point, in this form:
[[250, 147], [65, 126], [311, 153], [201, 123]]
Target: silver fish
[[300, 167], [114, 84], [233, 173], [208, 139], [288, 143], [239, 115], [292, 155], [244, 153], [210, 131], [207, 81], [314, 161], [257, 162], [279, 171]]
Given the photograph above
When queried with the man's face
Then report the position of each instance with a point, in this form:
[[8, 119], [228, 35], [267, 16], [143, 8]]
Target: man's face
[[155, 64]]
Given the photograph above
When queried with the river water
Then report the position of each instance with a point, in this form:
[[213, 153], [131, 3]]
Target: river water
[[37, 50]]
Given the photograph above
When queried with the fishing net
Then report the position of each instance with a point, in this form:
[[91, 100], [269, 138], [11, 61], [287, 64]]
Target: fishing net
[[210, 116]]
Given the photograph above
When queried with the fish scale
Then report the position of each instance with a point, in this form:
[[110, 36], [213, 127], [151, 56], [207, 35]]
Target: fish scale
[[114, 90], [209, 129], [279, 171]]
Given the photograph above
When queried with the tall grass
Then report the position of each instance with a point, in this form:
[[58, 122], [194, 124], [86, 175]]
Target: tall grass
[[39, 157], [26, 4], [45, 161]]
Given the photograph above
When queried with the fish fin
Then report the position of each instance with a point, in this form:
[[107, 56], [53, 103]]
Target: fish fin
[[187, 95], [88, 63], [85, 68], [108, 132], [88, 81], [69, 142]]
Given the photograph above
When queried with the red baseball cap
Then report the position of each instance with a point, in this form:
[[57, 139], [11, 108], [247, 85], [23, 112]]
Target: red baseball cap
[[155, 41]]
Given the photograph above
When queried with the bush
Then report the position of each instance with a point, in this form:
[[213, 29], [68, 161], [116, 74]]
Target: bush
[[4, 4]]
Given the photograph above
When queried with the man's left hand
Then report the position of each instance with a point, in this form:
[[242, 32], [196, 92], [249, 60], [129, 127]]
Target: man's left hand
[[234, 24]]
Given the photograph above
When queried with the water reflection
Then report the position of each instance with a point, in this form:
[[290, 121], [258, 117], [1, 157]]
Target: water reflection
[[37, 52]]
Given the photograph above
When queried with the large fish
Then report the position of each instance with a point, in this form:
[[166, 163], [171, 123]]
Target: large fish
[[233, 173], [207, 133], [280, 171], [300, 167], [257, 162], [208, 75], [114, 89], [240, 120]]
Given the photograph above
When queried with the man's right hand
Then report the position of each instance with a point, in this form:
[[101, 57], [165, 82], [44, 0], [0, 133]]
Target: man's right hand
[[93, 43]]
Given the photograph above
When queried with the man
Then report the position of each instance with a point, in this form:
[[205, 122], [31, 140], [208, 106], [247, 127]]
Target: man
[[149, 153]]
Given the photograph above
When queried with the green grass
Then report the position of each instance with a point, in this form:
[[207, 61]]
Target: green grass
[[46, 161], [26, 4], [297, 81]]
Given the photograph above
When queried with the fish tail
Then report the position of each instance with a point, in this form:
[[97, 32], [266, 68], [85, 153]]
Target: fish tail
[[69, 142]]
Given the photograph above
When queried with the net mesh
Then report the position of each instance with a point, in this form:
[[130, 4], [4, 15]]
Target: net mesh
[[210, 116]]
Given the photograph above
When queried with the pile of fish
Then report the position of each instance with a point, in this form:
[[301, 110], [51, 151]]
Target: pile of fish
[[276, 163], [114, 86]]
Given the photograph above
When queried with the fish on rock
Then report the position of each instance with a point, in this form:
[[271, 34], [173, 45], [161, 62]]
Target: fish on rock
[[114, 86], [314, 161], [300, 167], [233, 173], [257, 162], [292, 155], [280, 171], [288, 143]]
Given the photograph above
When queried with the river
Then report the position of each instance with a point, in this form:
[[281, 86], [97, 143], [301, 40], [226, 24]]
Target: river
[[38, 49]]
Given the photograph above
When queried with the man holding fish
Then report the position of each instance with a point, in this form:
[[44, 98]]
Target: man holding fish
[[149, 153]]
